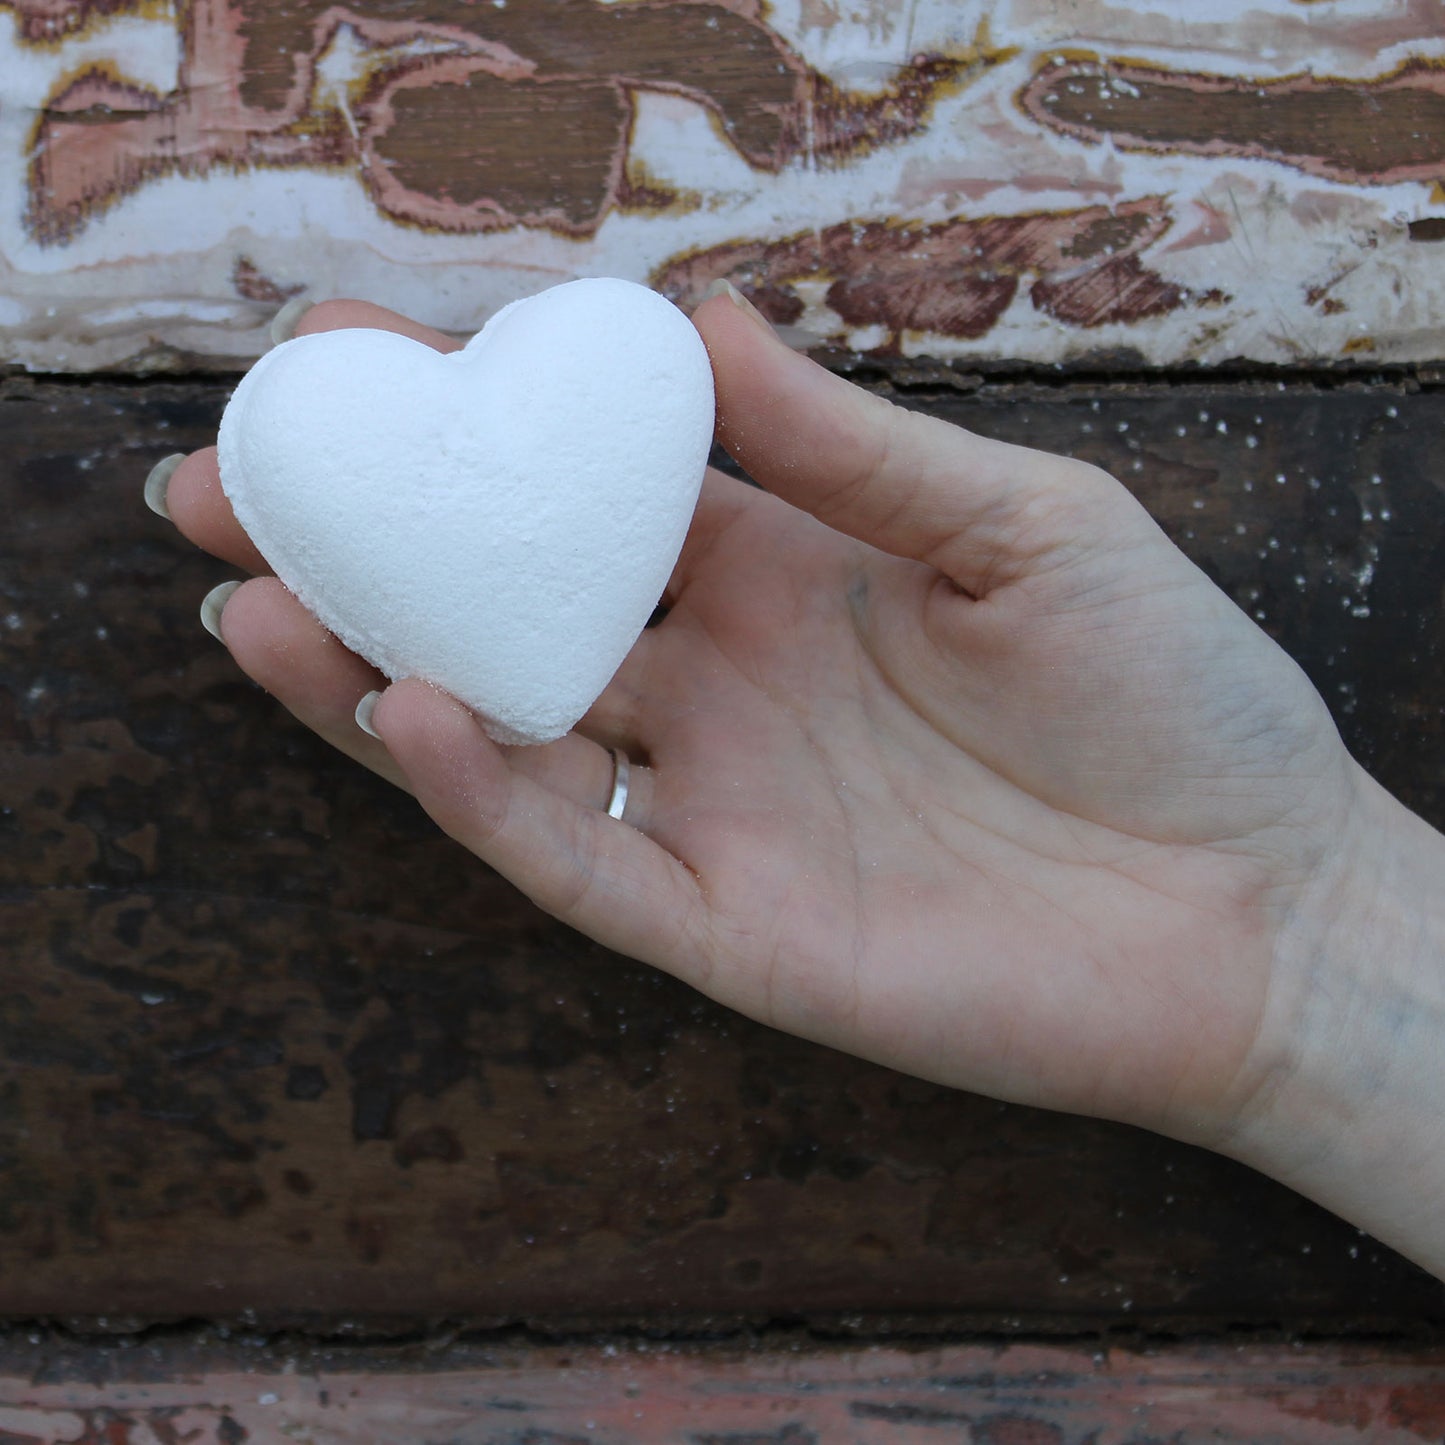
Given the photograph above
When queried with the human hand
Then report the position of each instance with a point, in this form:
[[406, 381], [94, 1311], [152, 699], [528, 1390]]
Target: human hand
[[943, 755]]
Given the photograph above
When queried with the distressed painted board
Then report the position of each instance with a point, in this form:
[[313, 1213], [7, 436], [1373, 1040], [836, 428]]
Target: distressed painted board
[[272, 1050], [1110, 182], [791, 1392]]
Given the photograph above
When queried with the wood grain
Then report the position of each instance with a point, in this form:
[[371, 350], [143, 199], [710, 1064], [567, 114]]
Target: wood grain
[[787, 1390], [271, 1049], [1388, 128]]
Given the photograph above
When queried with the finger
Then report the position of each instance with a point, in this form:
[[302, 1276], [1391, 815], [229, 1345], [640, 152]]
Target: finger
[[613, 720], [981, 511], [721, 502], [341, 314], [585, 771], [280, 645], [201, 511], [594, 872], [619, 717]]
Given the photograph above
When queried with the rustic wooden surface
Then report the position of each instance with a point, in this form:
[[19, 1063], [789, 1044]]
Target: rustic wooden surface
[[272, 1051], [274, 1055], [796, 1393], [1014, 179]]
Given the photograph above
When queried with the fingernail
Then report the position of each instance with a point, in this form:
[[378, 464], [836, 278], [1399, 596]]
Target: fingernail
[[213, 604], [157, 482], [364, 710], [285, 321], [723, 287]]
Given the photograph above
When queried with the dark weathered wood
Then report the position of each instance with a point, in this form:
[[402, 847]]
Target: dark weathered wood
[[1319, 512], [785, 1390], [270, 1047]]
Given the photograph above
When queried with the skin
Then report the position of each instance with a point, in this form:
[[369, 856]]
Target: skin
[[946, 756]]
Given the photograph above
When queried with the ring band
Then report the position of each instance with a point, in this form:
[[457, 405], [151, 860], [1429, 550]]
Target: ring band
[[621, 772]]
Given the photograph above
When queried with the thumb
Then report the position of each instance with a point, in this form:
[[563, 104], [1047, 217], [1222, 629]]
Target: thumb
[[983, 512]]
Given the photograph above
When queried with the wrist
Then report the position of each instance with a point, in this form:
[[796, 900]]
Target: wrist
[[1347, 1095]]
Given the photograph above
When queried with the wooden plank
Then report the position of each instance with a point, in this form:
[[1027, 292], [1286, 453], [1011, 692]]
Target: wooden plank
[[794, 1393], [271, 1049], [948, 177]]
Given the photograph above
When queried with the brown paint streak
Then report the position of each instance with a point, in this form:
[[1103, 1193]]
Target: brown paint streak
[[109, 1427], [1419, 1409], [956, 278], [640, 190], [1375, 132], [46, 22], [252, 283], [843, 125], [97, 94], [1125, 290], [459, 149], [525, 119], [1016, 1430]]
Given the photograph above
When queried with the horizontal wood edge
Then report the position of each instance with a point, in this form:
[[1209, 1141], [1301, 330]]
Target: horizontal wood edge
[[790, 1392]]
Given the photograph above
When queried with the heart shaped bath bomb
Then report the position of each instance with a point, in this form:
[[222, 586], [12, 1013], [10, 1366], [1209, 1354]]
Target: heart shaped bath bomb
[[500, 521]]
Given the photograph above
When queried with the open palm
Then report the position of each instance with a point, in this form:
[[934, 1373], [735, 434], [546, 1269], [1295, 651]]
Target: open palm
[[945, 756]]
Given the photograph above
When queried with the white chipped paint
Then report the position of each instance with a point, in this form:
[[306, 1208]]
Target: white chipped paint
[[156, 269]]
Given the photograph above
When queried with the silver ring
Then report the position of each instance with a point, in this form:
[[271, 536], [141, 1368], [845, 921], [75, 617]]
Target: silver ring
[[621, 772]]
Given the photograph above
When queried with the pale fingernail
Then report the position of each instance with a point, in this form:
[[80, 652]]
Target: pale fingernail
[[285, 321], [213, 604], [723, 287], [364, 710], [157, 482]]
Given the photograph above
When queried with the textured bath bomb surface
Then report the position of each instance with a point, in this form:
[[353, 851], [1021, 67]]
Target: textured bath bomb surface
[[500, 521]]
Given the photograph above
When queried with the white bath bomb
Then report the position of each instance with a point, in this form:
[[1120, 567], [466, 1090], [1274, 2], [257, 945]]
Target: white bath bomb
[[500, 521]]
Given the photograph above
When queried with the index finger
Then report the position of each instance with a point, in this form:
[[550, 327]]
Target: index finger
[[343, 315]]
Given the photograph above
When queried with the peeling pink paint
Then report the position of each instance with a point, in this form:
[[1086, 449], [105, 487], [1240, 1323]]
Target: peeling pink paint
[[1013, 1395]]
